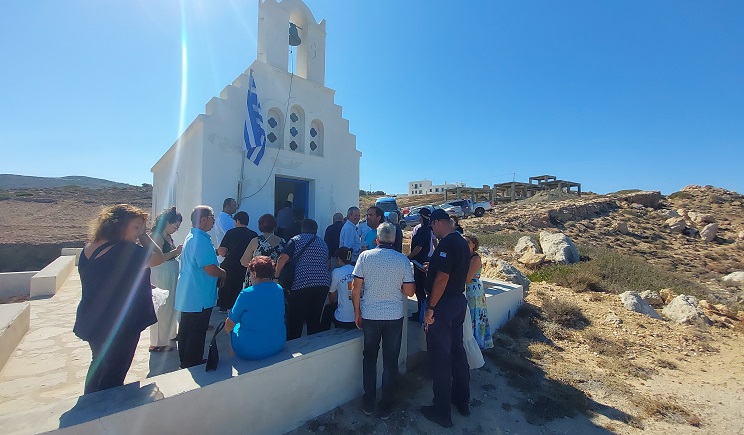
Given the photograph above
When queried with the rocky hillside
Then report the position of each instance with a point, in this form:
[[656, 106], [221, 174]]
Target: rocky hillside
[[36, 223], [12, 181], [697, 233]]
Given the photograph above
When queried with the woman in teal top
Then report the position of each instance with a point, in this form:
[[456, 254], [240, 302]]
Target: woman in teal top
[[256, 321]]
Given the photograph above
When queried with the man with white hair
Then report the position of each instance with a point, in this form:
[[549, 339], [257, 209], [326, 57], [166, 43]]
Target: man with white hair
[[382, 279]]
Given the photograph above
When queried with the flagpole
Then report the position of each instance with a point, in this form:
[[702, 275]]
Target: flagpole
[[242, 151]]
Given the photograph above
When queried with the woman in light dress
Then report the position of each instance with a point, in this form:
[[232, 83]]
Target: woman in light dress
[[165, 276], [477, 297]]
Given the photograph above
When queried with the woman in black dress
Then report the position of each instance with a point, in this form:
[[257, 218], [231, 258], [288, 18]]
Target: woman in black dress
[[116, 303]]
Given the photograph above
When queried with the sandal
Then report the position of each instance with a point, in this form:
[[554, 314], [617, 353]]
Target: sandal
[[161, 348], [155, 348]]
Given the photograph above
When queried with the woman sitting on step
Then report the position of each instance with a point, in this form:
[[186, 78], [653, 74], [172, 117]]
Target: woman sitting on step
[[256, 321]]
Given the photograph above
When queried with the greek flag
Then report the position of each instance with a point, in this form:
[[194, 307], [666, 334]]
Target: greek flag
[[253, 131]]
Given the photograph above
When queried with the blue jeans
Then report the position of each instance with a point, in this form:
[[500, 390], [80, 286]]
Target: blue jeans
[[390, 332]]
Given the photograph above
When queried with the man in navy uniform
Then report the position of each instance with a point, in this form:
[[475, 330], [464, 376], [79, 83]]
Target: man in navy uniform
[[445, 313]]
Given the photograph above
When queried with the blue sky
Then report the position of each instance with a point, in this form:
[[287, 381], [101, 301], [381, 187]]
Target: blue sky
[[613, 94]]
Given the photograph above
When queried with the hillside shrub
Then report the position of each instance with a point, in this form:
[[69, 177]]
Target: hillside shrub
[[564, 313], [501, 239], [4, 195], [615, 272], [21, 193]]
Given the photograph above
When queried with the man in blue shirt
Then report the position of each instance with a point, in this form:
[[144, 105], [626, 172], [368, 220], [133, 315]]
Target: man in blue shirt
[[349, 238], [196, 291]]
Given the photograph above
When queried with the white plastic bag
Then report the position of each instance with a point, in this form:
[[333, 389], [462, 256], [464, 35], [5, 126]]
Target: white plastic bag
[[159, 296]]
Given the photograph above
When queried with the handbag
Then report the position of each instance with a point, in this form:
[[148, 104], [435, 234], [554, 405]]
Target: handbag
[[213, 357], [287, 275]]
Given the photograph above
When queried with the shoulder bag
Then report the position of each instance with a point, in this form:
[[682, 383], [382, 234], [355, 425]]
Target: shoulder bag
[[213, 357], [287, 275]]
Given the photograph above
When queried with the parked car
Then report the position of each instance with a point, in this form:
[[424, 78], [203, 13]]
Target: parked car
[[469, 208], [389, 204], [412, 218], [452, 210], [480, 208], [465, 205]]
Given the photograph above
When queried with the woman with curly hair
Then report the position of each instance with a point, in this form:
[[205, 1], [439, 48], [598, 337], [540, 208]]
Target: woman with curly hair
[[116, 303], [165, 276]]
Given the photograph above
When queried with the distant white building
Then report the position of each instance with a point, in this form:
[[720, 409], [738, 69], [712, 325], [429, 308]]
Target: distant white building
[[425, 187], [310, 156]]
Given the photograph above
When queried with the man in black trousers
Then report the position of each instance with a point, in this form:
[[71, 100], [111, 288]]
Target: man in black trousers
[[445, 312]]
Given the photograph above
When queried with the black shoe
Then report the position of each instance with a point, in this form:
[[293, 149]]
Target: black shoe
[[464, 409], [368, 409], [203, 361], [384, 411], [432, 415]]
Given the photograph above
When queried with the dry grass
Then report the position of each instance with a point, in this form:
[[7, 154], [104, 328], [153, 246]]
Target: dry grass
[[615, 272], [666, 409]]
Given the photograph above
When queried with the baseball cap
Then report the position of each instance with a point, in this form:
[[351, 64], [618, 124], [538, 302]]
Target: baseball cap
[[425, 212], [439, 214]]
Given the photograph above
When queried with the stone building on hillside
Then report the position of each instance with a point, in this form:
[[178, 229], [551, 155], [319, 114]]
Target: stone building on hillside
[[310, 157]]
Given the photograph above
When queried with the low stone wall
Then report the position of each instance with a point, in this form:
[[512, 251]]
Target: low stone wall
[[311, 376], [503, 299], [49, 279], [73, 251], [14, 322], [14, 284]]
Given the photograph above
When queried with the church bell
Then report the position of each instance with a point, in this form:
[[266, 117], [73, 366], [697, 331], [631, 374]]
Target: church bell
[[294, 37]]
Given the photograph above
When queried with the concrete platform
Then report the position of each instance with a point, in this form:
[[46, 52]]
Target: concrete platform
[[49, 279], [14, 323], [14, 284]]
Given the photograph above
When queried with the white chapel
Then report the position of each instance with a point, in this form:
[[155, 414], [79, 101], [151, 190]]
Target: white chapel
[[309, 157]]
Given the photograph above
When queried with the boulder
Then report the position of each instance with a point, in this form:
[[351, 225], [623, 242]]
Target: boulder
[[667, 295], [634, 302], [652, 298], [676, 224], [741, 235], [558, 248], [684, 310], [708, 234], [500, 269], [735, 277], [670, 213], [720, 310], [620, 227], [525, 244], [613, 319], [682, 212], [700, 218], [644, 198], [532, 260]]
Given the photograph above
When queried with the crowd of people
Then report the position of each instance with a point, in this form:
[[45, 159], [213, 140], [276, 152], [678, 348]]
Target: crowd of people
[[287, 279]]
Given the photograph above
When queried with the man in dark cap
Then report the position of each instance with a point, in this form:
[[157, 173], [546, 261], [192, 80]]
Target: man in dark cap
[[445, 313]]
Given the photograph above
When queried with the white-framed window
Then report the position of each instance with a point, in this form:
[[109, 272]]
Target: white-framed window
[[296, 139], [316, 137]]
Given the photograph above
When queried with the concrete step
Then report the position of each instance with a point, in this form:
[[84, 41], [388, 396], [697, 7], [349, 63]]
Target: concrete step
[[15, 320]]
